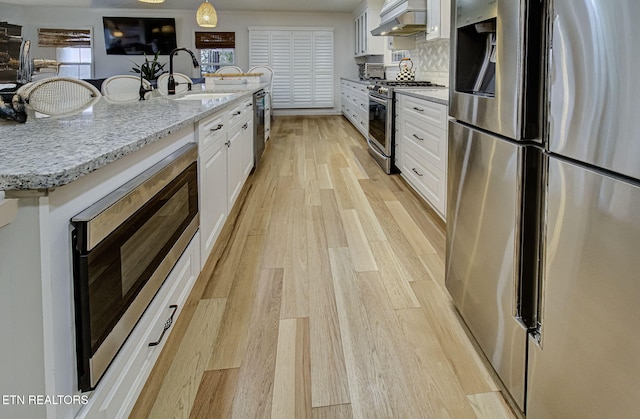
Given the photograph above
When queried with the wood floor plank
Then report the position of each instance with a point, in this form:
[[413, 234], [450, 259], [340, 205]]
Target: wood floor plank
[[396, 278], [329, 384], [312, 188], [343, 195], [324, 179], [490, 406], [292, 382], [430, 369], [424, 216], [230, 345], [192, 357], [341, 411], [406, 387], [470, 369], [368, 388], [215, 394], [276, 233], [332, 221], [295, 288], [361, 254], [254, 393], [360, 203], [412, 232], [434, 264]]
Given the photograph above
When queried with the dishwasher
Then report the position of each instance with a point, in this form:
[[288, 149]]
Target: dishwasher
[[258, 123]]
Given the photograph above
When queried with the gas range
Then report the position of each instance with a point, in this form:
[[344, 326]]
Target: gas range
[[384, 88]]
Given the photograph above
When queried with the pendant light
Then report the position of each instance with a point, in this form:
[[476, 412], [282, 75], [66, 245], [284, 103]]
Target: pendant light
[[206, 15]]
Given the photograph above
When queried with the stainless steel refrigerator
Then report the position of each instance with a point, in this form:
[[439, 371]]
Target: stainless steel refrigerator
[[543, 225]]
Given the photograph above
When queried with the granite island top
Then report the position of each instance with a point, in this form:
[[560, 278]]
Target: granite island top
[[46, 153], [433, 94]]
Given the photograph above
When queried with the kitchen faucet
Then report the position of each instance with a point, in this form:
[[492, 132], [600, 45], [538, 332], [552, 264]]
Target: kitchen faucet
[[142, 90], [171, 85]]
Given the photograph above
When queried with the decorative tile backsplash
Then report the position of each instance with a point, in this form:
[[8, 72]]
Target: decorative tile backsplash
[[430, 60]]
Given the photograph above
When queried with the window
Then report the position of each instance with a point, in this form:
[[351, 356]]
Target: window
[[72, 49], [217, 49], [396, 56]]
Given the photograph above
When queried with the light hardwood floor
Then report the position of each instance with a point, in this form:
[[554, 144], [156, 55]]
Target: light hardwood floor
[[327, 302]]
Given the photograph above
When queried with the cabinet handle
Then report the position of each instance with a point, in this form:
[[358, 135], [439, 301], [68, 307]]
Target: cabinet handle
[[249, 104], [418, 109], [416, 172], [245, 126], [418, 138], [219, 127], [167, 325], [237, 113], [228, 143]]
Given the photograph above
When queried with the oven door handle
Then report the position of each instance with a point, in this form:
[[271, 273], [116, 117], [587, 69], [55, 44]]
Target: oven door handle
[[377, 100], [373, 147]]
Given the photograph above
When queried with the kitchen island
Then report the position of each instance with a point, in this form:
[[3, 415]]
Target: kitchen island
[[53, 168]]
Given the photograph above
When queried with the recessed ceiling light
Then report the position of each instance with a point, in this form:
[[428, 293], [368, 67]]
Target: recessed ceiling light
[[151, 1]]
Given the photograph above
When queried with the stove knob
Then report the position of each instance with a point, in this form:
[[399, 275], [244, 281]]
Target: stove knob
[[383, 90]]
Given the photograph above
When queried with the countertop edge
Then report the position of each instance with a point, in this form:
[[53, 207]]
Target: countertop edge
[[424, 95]]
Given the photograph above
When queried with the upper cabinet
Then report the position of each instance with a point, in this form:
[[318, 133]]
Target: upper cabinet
[[438, 19], [367, 18]]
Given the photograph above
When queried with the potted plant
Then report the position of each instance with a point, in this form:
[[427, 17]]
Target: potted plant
[[152, 70]]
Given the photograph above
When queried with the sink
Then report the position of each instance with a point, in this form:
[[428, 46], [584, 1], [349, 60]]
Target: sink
[[204, 96]]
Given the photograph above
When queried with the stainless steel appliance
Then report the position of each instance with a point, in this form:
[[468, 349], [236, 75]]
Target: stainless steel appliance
[[542, 231], [124, 247], [381, 117], [402, 18], [370, 71], [585, 361], [494, 174], [258, 123]]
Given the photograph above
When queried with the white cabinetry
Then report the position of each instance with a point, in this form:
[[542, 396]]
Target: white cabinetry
[[367, 18], [355, 104], [226, 158], [421, 148], [438, 19], [212, 133], [302, 63], [239, 149]]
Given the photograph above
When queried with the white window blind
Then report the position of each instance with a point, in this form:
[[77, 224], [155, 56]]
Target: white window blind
[[302, 63]]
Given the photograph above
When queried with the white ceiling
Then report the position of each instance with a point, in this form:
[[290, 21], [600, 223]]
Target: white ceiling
[[279, 5]]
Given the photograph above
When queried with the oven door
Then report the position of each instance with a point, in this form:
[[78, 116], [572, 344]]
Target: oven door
[[380, 135]]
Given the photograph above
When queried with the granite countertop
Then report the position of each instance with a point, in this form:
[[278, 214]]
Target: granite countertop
[[433, 94], [46, 153]]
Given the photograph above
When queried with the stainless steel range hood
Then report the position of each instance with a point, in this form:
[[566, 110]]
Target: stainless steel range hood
[[402, 18]]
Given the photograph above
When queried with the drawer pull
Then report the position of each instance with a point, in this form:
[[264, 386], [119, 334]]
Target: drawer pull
[[418, 109], [167, 325], [416, 172], [219, 127], [249, 104], [245, 126], [418, 138], [228, 143], [237, 113]]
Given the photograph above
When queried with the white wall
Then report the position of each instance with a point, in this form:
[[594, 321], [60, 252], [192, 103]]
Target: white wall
[[32, 18]]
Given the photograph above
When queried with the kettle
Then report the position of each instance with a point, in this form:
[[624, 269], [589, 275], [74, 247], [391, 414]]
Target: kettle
[[406, 71]]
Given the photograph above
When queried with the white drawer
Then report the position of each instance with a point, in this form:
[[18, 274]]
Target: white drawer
[[211, 130], [431, 142], [431, 113], [238, 113], [427, 179]]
